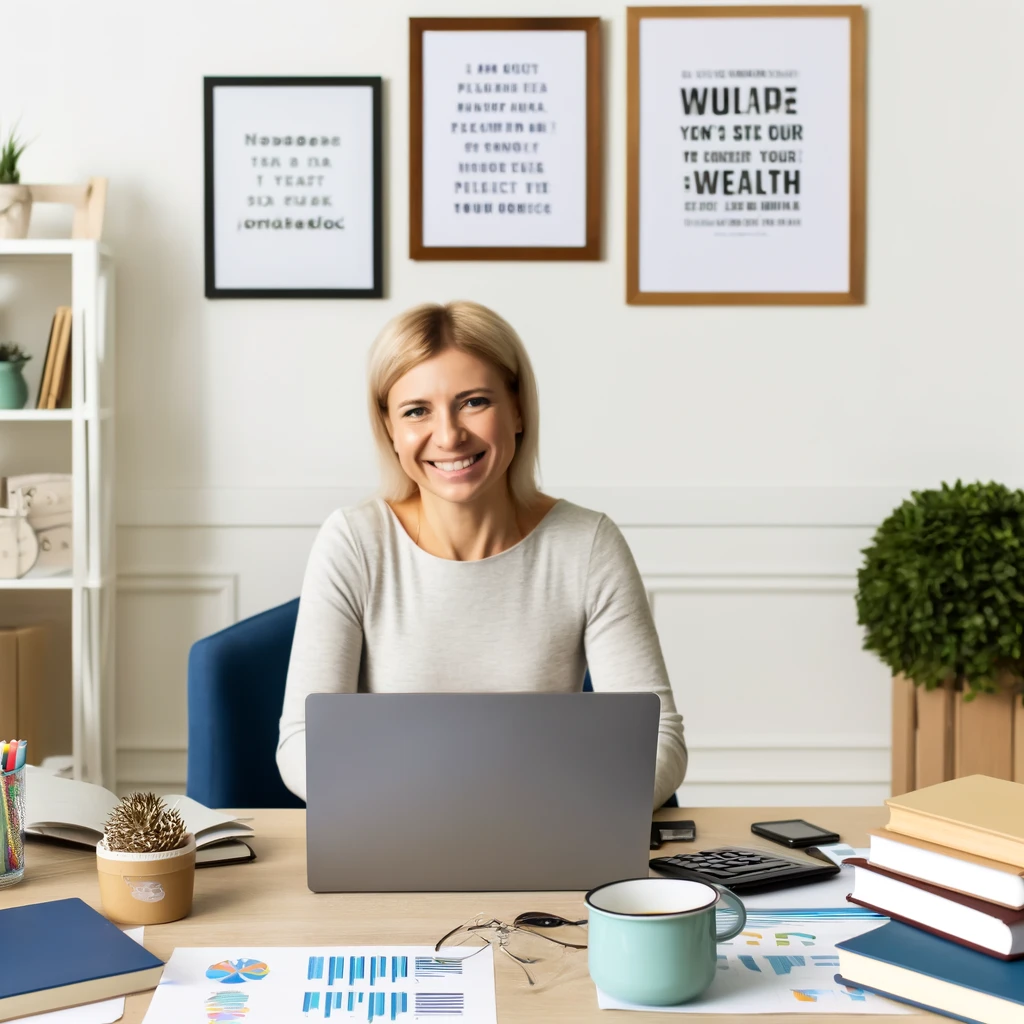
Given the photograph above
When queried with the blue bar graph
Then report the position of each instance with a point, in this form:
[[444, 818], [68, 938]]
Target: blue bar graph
[[377, 1004], [316, 968], [335, 970], [399, 968], [356, 968], [784, 964], [373, 971]]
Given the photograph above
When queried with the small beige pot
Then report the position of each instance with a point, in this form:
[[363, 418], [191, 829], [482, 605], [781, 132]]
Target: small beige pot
[[146, 888], [15, 210]]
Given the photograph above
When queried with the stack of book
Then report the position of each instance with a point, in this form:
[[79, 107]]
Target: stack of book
[[949, 872]]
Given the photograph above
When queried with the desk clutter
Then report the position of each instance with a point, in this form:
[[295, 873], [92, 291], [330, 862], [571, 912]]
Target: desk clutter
[[956, 939]]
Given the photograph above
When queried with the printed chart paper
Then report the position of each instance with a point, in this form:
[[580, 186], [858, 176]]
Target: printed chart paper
[[783, 963], [257, 984]]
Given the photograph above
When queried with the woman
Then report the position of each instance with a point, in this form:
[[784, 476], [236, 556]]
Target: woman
[[464, 576]]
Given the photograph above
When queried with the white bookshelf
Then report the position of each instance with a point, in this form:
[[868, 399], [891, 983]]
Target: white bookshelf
[[88, 426]]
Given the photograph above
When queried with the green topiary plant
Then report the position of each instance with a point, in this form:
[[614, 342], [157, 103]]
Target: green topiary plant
[[10, 154], [941, 591]]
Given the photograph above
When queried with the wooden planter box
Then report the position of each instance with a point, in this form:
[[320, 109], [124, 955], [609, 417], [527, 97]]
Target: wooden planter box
[[936, 736]]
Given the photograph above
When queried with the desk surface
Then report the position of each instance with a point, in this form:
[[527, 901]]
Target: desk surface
[[231, 902]]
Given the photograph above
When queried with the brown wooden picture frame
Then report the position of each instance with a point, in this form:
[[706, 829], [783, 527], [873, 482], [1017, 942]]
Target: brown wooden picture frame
[[591, 249], [854, 294]]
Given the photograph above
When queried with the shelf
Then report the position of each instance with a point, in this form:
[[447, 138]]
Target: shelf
[[49, 246], [36, 415], [36, 580]]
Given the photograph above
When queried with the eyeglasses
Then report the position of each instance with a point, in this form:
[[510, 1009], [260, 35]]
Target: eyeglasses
[[542, 945]]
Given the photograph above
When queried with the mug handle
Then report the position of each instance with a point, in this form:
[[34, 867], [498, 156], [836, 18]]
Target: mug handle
[[741, 912]]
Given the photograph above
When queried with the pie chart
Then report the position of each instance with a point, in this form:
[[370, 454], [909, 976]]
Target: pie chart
[[237, 972]]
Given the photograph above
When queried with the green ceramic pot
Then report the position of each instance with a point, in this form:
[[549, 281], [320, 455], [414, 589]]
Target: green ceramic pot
[[13, 389]]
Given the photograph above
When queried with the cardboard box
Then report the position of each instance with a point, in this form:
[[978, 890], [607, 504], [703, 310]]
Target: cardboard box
[[30, 707]]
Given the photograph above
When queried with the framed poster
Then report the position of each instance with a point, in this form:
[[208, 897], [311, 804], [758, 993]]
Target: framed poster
[[293, 188], [745, 147], [505, 138]]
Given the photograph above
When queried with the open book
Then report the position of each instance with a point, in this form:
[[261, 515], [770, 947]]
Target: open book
[[75, 812]]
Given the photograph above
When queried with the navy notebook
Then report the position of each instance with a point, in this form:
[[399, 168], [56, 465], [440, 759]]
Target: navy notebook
[[63, 953], [911, 965]]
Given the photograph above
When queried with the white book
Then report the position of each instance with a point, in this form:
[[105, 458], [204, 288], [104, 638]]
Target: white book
[[76, 812], [953, 869], [986, 926]]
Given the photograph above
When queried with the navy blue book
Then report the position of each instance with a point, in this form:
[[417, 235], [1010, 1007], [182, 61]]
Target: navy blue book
[[913, 966], [64, 953]]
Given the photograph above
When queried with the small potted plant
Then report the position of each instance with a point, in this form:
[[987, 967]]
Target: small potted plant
[[146, 862], [13, 388], [941, 596], [15, 198]]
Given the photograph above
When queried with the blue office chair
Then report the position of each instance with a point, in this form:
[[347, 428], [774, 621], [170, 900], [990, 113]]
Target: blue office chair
[[235, 690]]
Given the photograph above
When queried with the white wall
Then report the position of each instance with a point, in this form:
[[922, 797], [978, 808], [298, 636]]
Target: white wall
[[747, 452]]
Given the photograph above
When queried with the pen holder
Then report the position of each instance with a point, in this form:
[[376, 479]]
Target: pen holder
[[146, 888], [12, 826]]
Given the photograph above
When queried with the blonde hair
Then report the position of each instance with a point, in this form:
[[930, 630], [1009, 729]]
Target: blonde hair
[[424, 331]]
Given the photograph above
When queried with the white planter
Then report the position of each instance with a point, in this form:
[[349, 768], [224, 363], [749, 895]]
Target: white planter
[[15, 210]]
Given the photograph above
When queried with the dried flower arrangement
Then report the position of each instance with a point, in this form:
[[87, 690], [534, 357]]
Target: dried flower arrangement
[[143, 823]]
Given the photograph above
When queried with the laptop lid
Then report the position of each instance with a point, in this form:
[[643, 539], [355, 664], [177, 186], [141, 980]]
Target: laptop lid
[[478, 791]]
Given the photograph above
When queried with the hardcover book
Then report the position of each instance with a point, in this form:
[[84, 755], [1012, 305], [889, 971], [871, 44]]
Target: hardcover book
[[987, 879], [64, 953], [976, 814], [912, 966], [975, 923]]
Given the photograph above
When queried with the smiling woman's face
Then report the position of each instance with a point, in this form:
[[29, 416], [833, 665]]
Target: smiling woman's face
[[454, 424]]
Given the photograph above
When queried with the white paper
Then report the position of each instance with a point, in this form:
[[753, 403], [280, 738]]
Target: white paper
[[717, 210], [292, 983], [105, 1012], [277, 150], [781, 964], [504, 138]]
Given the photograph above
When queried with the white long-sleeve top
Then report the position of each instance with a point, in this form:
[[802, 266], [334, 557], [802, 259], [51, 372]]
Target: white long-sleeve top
[[378, 614]]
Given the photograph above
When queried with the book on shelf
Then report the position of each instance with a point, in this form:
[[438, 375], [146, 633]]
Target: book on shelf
[[46, 377], [76, 812], [976, 814], [974, 923], [60, 379], [983, 877], [63, 953], [912, 966]]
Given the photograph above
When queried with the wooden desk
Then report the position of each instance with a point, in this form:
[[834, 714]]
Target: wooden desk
[[268, 901]]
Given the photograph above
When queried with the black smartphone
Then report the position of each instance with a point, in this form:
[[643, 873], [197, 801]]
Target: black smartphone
[[794, 833]]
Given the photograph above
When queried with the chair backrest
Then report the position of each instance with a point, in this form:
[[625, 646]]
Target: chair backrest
[[235, 692], [236, 684]]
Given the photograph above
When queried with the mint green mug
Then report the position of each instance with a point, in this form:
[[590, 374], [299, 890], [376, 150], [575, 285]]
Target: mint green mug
[[653, 940]]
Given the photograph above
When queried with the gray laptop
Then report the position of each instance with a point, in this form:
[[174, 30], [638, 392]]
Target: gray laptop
[[471, 791]]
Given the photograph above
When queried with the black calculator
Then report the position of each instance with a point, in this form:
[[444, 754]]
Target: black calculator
[[742, 870]]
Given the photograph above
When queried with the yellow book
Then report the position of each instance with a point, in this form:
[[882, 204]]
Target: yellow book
[[62, 360], [51, 353], [976, 814]]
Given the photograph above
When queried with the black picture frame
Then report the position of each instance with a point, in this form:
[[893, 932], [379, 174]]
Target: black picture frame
[[215, 291]]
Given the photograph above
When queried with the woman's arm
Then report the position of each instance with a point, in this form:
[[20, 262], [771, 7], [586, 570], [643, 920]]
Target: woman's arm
[[622, 648], [328, 640]]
